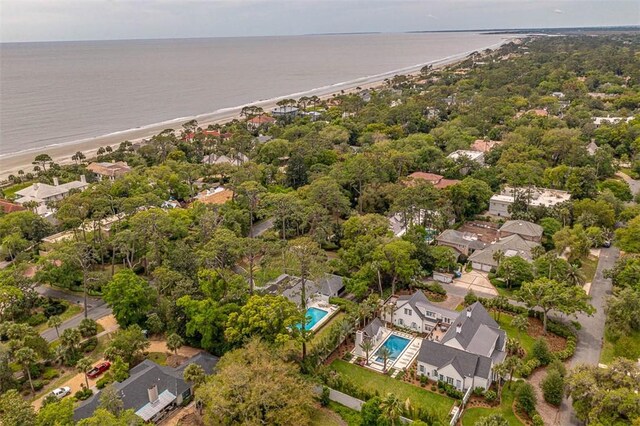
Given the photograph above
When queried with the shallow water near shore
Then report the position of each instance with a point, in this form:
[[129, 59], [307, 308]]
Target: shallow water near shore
[[64, 93]]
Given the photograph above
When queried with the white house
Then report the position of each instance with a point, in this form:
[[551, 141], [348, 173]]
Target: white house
[[499, 203], [466, 354], [477, 156], [416, 313], [43, 193]]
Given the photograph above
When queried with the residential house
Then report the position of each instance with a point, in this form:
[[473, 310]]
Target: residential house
[[290, 286], [400, 223], [219, 195], [513, 245], [151, 390], [483, 145], [436, 180], [464, 243], [43, 194], [476, 156], [466, 354], [499, 204], [598, 121], [260, 121], [236, 160], [7, 207], [110, 171], [415, 312], [527, 230], [592, 148], [287, 112], [373, 332]]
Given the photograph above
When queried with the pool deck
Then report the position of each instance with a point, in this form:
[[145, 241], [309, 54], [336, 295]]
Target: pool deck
[[404, 360], [331, 311]]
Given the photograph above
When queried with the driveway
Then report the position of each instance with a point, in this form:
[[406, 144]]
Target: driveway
[[634, 185], [475, 281], [591, 335]]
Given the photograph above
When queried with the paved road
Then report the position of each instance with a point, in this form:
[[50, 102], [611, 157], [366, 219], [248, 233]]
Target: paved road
[[633, 184], [96, 309], [261, 227]]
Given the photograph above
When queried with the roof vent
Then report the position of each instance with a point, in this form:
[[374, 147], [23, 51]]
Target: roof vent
[[458, 328], [468, 312]]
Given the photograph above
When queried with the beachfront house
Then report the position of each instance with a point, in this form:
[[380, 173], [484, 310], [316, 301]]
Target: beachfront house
[[43, 194], [152, 390], [111, 171], [285, 113], [465, 355], [260, 121]]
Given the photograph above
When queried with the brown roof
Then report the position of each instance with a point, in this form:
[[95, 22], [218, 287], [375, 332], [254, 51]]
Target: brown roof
[[436, 180], [217, 198], [262, 119], [109, 169], [484, 145], [9, 207]]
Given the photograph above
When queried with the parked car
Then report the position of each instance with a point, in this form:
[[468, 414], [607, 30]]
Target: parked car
[[98, 369], [61, 392]]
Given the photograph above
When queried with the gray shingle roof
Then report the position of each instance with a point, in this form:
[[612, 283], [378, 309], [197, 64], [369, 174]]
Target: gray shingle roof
[[373, 327], [513, 245], [41, 191], [522, 227], [419, 302], [465, 363], [133, 390], [475, 330], [466, 239], [291, 286]]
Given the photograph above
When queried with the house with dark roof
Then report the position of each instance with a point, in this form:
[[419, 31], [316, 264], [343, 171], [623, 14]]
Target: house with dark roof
[[416, 313], [151, 390], [466, 354], [290, 286], [463, 242], [527, 230], [513, 245]]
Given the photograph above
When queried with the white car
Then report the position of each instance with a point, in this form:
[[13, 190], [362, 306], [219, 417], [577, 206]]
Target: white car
[[61, 392]]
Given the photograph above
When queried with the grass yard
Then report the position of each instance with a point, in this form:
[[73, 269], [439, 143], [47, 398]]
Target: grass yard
[[71, 311], [10, 191], [324, 331], [159, 358], [323, 416], [626, 346], [525, 340], [349, 416], [375, 382], [588, 268], [472, 415]]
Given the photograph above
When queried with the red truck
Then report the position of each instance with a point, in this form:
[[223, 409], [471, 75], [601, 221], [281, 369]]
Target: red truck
[[98, 369]]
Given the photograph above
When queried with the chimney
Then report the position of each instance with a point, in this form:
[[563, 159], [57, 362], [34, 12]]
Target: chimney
[[458, 328], [83, 179], [468, 312], [36, 186], [153, 393], [55, 181]]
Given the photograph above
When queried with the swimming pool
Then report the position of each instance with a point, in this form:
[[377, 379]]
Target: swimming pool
[[314, 315], [395, 344]]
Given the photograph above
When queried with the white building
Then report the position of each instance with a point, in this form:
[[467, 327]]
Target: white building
[[598, 121], [466, 354], [535, 197], [43, 194], [416, 313], [476, 156]]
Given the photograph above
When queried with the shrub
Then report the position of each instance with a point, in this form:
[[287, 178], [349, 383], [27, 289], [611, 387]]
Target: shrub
[[478, 391], [568, 352], [104, 381], [558, 366], [553, 387], [436, 288], [83, 394], [527, 368], [53, 307], [470, 298], [37, 319], [536, 420], [88, 327], [89, 344], [423, 380], [490, 395], [540, 351], [37, 385], [50, 373], [324, 396], [526, 398]]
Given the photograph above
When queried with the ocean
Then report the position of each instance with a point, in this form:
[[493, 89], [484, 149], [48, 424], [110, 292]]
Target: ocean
[[60, 93]]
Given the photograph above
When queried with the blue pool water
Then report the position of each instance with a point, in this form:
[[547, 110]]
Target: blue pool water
[[314, 315], [396, 345]]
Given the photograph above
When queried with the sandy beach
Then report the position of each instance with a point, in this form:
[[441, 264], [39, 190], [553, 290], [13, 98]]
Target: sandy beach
[[61, 154]]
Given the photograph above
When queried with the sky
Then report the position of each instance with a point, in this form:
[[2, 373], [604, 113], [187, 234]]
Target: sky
[[46, 20]]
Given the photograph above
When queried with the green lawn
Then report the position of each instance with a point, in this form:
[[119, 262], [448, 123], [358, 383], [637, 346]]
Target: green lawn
[[472, 415], [626, 346], [10, 191], [323, 416], [159, 358], [71, 311], [588, 268], [525, 340], [375, 382], [351, 417], [324, 331]]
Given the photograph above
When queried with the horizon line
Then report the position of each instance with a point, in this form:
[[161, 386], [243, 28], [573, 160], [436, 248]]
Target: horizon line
[[477, 30]]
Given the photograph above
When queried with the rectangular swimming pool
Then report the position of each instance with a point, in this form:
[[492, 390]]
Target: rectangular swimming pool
[[396, 344], [314, 315]]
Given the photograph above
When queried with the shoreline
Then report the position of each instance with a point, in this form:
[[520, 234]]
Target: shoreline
[[62, 153]]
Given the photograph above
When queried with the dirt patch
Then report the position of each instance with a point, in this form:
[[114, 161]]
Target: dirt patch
[[175, 360], [109, 323], [556, 343]]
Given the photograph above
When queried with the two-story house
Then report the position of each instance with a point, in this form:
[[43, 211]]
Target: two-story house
[[415, 312]]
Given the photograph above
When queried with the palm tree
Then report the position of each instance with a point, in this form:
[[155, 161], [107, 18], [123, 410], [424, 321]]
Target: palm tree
[[55, 322], [575, 276], [174, 342], [514, 347], [511, 364], [26, 357], [385, 353], [520, 323], [498, 255], [346, 327], [500, 370], [84, 365], [391, 408], [366, 346], [195, 374]]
